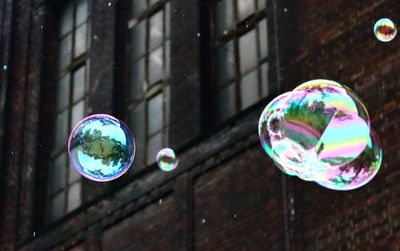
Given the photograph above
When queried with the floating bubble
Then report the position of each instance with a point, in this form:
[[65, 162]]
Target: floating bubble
[[318, 127], [385, 30], [357, 173], [166, 159], [101, 147]]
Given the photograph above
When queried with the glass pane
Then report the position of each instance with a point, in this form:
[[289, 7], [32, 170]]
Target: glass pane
[[61, 134], [154, 145], [136, 122], [155, 114], [156, 65], [262, 4], [74, 175], [65, 48], [63, 92], [57, 206], [79, 83], [137, 78], [248, 51], [81, 12], [264, 80], [57, 177], [80, 40], [153, 1], [78, 112], [226, 102], [245, 8], [66, 19], [74, 196], [138, 6], [226, 63], [138, 44], [156, 30], [249, 89], [167, 20], [262, 28], [167, 57], [224, 19]]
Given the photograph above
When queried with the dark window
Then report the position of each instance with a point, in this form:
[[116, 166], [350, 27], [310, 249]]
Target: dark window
[[64, 181], [240, 45], [147, 80]]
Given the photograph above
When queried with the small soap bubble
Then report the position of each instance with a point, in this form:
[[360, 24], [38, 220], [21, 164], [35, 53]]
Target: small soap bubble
[[203, 221], [101, 147], [5, 67], [385, 30], [198, 34], [109, 4], [166, 159], [321, 132]]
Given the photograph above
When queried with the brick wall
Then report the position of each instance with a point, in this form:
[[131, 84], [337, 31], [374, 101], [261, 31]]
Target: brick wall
[[225, 194]]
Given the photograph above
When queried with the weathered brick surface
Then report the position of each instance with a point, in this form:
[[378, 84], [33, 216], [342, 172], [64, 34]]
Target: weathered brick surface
[[225, 194]]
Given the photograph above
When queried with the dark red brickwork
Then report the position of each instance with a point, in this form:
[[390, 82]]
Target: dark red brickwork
[[226, 194]]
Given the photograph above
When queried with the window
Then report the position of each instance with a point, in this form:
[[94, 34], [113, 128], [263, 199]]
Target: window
[[147, 80], [64, 181], [241, 55]]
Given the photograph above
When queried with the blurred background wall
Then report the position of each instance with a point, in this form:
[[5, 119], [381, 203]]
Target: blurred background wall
[[194, 76]]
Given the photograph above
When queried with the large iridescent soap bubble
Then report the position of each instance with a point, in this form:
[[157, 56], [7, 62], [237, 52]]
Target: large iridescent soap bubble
[[101, 147], [385, 30], [318, 128]]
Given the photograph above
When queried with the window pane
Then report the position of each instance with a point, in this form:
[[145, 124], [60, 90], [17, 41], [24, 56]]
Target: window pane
[[167, 20], [155, 114], [156, 65], [136, 122], [156, 30], [224, 19], [138, 44], [262, 4], [66, 20], [74, 196], [226, 102], [62, 92], [60, 136], [245, 8], [264, 80], [74, 175], [77, 113], [79, 83], [138, 6], [81, 12], [80, 40], [248, 51], [249, 89], [137, 79], [65, 51], [153, 1], [226, 63], [154, 145], [57, 206], [57, 177], [262, 27]]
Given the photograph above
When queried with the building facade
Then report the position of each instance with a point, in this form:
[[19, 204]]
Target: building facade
[[194, 76]]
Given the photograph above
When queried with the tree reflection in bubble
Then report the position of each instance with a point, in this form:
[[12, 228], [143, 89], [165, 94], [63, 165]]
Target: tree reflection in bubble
[[101, 147]]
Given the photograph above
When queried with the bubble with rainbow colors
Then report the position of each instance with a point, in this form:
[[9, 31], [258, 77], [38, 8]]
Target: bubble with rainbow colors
[[321, 132], [167, 160], [101, 147], [385, 30]]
